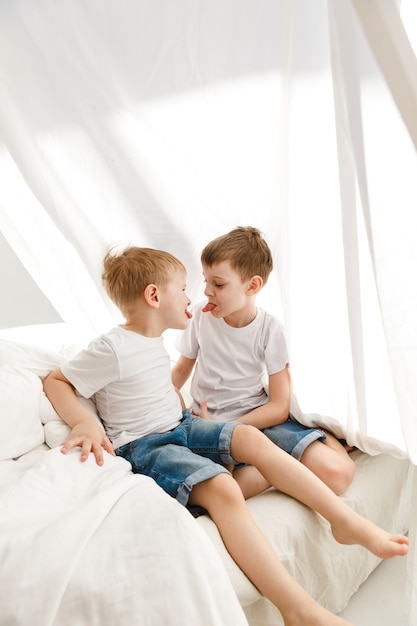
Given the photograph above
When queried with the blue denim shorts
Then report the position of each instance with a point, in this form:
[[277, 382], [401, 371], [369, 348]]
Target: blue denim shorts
[[194, 451], [293, 437]]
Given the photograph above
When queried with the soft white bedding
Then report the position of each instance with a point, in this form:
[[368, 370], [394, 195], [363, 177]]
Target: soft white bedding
[[88, 545], [92, 545], [98, 546]]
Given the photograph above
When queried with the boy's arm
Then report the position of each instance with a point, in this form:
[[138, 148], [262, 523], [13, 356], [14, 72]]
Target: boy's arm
[[277, 409], [85, 432], [181, 371]]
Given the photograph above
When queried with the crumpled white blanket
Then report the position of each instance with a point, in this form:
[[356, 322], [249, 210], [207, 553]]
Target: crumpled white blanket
[[51, 515]]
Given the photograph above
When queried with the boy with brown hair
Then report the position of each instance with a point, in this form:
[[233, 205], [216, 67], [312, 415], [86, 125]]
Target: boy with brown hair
[[127, 370], [231, 344]]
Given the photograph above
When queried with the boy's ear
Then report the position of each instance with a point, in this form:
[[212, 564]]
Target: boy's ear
[[255, 285], [151, 295]]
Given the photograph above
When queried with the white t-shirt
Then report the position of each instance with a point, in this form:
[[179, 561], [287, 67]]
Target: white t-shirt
[[129, 376], [232, 362]]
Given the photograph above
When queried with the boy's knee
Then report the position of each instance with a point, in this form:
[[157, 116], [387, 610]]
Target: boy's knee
[[219, 491], [338, 476], [247, 433], [245, 438], [223, 484], [332, 465]]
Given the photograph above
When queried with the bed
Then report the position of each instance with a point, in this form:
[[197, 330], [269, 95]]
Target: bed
[[106, 547]]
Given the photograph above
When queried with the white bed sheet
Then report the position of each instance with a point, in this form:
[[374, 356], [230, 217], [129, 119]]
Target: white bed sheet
[[99, 546]]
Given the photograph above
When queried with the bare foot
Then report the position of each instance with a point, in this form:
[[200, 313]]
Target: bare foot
[[359, 530]]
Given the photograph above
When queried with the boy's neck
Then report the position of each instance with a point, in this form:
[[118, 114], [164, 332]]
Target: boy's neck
[[145, 325], [140, 330], [241, 318]]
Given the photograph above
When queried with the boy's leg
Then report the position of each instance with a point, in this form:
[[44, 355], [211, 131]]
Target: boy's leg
[[223, 499], [249, 445], [327, 459], [250, 481], [330, 462]]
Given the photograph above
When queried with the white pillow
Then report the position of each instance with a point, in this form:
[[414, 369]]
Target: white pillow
[[37, 363], [55, 429], [37, 360], [20, 398]]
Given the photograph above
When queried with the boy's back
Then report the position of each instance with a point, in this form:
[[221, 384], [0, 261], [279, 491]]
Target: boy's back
[[130, 378]]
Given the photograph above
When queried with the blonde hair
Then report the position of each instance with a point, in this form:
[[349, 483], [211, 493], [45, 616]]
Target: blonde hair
[[246, 250], [127, 274]]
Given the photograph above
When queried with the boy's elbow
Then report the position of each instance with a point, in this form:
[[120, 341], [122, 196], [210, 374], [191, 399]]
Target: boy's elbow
[[53, 380], [177, 377], [47, 381]]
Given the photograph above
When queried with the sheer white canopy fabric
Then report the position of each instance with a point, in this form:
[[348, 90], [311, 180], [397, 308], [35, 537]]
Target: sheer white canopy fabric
[[167, 123]]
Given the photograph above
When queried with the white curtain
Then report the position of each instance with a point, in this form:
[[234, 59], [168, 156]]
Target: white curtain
[[165, 123]]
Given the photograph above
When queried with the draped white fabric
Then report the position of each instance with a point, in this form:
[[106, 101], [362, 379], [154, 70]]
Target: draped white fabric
[[166, 123]]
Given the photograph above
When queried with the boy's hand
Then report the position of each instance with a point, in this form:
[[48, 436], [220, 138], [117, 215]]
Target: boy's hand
[[204, 414], [90, 438]]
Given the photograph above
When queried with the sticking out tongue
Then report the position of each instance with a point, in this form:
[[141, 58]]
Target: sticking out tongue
[[188, 314], [208, 307]]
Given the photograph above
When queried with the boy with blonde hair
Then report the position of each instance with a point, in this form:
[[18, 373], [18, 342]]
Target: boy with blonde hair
[[127, 370], [231, 344]]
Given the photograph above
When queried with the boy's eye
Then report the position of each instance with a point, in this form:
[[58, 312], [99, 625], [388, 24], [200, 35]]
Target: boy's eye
[[216, 285]]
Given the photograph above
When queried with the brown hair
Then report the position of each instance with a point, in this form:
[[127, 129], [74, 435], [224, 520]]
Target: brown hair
[[246, 250], [127, 274]]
